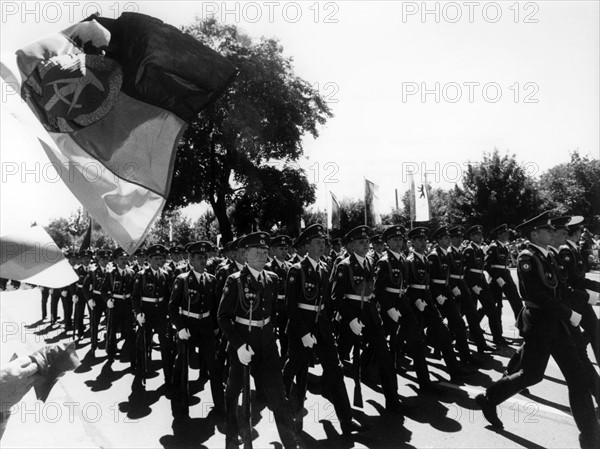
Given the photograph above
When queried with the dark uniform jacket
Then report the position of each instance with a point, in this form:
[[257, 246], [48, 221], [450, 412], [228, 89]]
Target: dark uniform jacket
[[281, 270], [92, 285], [474, 265], [117, 285], [194, 298], [538, 283], [389, 280], [148, 285], [573, 260], [457, 266], [241, 290], [305, 287], [496, 260], [439, 272], [350, 283]]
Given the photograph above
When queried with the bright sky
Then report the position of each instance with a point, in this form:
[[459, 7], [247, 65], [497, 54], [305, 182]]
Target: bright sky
[[414, 86]]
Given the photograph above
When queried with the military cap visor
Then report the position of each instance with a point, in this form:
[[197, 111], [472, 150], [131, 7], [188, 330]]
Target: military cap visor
[[476, 229], [156, 250], [104, 253], [440, 232], [541, 221], [394, 231], [358, 233], [456, 231], [418, 232], [201, 247], [281, 240], [575, 222], [560, 222], [118, 252], [312, 232], [255, 240], [499, 229]]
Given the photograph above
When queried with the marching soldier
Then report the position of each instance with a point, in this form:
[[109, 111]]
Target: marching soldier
[[352, 295], [496, 262], [461, 292], [378, 248], [245, 316], [544, 324], [140, 260], [572, 258], [475, 279], [150, 296], [117, 288], [398, 316], [193, 311], [309, 308], [439, 269], [68, 292], [93, 295], [79, 300], [279, 266]]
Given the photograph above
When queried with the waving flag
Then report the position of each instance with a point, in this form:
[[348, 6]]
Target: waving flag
[[32, 256], [335, 213], [419, 200], [108, 101], [372, 211]]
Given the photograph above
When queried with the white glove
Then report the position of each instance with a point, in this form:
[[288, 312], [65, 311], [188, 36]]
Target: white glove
[[110, 303], [184, 334], [92, 303], [51, 291], [501, 282], [477, 289], [309, 341], [75, 299], [140, 318], [575, 318], [591, 301], [337, 316], [63, 293], [456, 291], [441, 299], [356, 326], [394, 314], [420, 304], [245, 354]]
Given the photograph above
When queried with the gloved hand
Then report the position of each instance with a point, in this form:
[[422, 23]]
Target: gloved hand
[[456, 291], [75, 299], [184, 334], [356, 326], [420, 304], [63, 293], [110, 303], [477, 289], [575, 318], [140, 318], [501, 282], [92, 303], [394, 314], [309, 341], [441, 299], [245, 354]]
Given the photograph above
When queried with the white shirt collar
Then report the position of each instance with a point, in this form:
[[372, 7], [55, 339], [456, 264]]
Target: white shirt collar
[[197, 274], [254, 272], [543, 250], [444, 251], [455, 248], [475, 245], [239, 265], [361, 260], [572, 244], [313, 262], [553, 249], [395, 254], [502, 243]]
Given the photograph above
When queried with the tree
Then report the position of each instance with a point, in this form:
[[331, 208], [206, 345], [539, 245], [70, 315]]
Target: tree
[[69, 232], [260, 120], [498, 190], [574, 188]]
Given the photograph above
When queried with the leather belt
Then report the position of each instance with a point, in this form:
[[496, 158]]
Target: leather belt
[[457, 276], [357, 297], [312, 307], [280, 296], [198, 316], [475, 270], [97, 292], [439, 281], [120, 296], [502, 267], [79, 285], [418, 286], [392, 290], [245, 322], [152, 300], [531, 305]]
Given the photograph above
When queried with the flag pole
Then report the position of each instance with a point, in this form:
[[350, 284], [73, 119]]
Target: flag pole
[[365, 199], [327, 209]]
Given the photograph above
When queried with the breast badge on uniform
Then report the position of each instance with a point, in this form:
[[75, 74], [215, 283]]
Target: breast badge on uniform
[[567, 258], [292, 279], [525, 266]]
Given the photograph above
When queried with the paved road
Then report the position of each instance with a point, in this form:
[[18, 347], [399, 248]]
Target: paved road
[[94, 407]]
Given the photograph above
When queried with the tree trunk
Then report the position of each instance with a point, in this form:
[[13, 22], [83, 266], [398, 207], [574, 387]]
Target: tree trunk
[[220, 209]]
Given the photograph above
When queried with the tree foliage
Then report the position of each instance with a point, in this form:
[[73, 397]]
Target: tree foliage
[[262, 118]]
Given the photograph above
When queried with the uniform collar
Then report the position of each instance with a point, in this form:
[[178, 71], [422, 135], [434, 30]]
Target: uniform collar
[[543, 250], [455, 248], [444, 251], [198, 275], [421, 256], [361, 260], [313, 262], [239, 265], [255, 273], [395, 254], [475, 245]]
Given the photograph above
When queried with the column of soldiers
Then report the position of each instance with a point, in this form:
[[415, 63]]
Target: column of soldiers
[[257, 312]]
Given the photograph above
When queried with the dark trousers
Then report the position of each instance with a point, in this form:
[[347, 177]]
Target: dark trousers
[[591, 325], [79, 314], [281, 321], [45, 296], [510, 290], [265, 367], [95, 317], [333, 376], [449, 310], [535, 353], [469, 311], [156, 322], [203, 338], [489, 308], [67, 303], [437, 332], [408, 333], [121, 320]]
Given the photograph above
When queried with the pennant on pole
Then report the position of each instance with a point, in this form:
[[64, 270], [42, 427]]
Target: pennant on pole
[[372, 211], [108, 101], [335, 213], [419, 200]]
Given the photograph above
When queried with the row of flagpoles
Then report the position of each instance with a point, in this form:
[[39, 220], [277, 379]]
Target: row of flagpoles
[[419, 204]]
